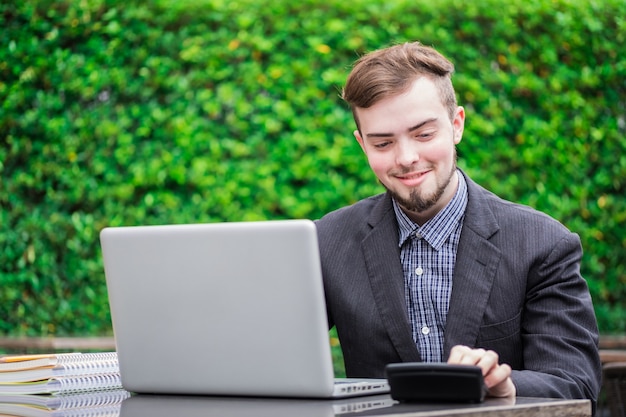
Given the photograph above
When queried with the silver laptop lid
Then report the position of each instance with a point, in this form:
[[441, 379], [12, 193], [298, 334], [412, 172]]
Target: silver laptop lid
[[226, 309]]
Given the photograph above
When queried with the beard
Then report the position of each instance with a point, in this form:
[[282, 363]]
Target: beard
[[419, 202]]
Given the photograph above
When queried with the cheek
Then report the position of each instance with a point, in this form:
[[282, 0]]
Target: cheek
[[442, 152], [442, 155], [378, 163]]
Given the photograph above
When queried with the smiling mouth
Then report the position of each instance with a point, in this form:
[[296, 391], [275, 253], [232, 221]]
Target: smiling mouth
[[412, 176], [413, 179]]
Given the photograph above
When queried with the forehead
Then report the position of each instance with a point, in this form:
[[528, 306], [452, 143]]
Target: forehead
[[420, 102]]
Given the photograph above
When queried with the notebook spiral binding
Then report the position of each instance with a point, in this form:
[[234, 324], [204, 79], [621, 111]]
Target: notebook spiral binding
[[106, 411], [86, 367], [88, 399], [86, 383], [66, 358], [112, 410]]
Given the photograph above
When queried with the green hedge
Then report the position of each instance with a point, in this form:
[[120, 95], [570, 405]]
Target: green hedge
[[137, 112]]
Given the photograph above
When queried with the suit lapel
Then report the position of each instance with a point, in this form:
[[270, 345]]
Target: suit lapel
[[476, 263], [386, 278]]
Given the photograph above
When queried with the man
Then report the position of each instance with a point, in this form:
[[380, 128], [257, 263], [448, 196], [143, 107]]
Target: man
[[438, 268]]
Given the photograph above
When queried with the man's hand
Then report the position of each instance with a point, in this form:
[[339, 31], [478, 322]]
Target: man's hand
[[497, 376]]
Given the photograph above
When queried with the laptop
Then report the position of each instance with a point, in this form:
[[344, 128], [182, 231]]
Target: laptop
[[222, 309]]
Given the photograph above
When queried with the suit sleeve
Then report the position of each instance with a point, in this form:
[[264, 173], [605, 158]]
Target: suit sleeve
[[559, 329]]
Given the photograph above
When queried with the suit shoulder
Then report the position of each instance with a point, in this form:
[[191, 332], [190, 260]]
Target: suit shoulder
[[514, 215], [357, 211], [353, 221]]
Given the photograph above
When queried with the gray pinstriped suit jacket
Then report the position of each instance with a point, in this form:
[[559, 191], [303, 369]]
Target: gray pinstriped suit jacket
[[517, 289]]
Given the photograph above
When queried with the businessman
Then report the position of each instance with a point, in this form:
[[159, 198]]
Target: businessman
[[438, 269]]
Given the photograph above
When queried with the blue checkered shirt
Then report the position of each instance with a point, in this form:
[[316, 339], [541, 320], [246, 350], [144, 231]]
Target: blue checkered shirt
[[428, 254]]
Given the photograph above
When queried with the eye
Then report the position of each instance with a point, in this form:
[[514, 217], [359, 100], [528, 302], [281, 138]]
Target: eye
[[382, 145], [424, 135]]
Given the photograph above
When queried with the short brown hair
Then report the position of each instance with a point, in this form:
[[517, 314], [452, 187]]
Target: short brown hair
[[391, 71]]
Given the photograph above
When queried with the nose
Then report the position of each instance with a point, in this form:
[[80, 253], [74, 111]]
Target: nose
[[407, 152]]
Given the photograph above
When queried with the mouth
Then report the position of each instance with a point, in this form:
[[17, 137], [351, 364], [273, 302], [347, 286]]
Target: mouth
[[413, 178]]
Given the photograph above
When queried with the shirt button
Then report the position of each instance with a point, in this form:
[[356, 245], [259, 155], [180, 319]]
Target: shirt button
[[418, 235], [419, 270], [425, 330]]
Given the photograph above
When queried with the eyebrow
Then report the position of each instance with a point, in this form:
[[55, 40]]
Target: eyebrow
[[411, 129]]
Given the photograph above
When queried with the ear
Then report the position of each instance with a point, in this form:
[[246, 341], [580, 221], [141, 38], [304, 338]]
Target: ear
[[359, 139], [458, 124]]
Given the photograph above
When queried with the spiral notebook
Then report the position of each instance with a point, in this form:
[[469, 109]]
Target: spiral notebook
[[67, 401], [17, 410], [59, 373], [223, 309], [37, 367], [64, 384]]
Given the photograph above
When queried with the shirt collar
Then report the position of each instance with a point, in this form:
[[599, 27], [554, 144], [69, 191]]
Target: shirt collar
[[436, 230]]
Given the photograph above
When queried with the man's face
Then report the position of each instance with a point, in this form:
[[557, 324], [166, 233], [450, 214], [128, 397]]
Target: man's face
[[409, 141]]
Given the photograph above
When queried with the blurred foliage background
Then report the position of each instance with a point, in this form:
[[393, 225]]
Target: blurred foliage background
[[188, 111]]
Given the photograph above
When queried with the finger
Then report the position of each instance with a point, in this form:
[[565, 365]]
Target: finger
[[464, 355], [485, 359], [497, 375], [457, 353], [488, 361], [499, 383]]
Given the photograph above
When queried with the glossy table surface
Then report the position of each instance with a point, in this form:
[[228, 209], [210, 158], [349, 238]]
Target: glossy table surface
[[380, 405]]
